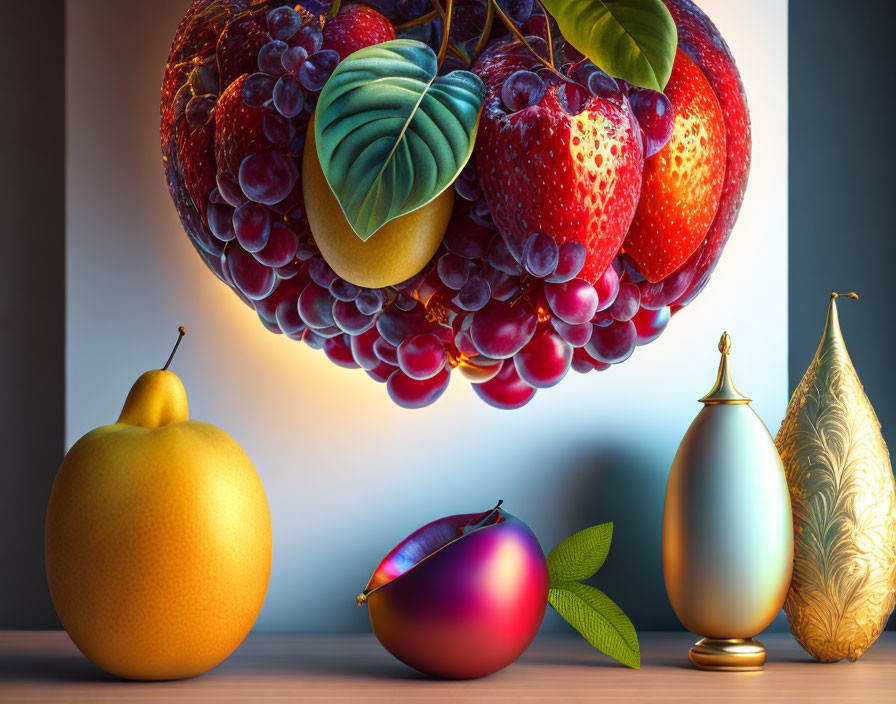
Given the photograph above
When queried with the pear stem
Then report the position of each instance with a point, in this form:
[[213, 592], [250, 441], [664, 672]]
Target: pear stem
[[181, 331], [851, 294]]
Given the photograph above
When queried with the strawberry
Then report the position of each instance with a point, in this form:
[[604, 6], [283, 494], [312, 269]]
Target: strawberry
[[196, 154], [238, 47], [699, 38], [576, 177], [683, 181], [239, 129], [354, 27]]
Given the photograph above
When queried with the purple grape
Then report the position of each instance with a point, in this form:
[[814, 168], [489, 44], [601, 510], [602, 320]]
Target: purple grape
[[288, 318], [219, 221], [474, 294], [627, 303], [422, 356], [270, 57], [316, 69], [649, 324], [386, 351], [517, 10], [267, 177], [199, 109], [662, 293], [283, 23], [230, 190], [481, 215], [499, 257], [215, 197], [313, 340], [369, 301], [316, 306], [309, 38], [396, 326], [573, 98], [453, 270], [655, 116], [466, 185], [522, 89], [350, 319], [253, 279], [257, 89], [305, 251], [574, 302], [500, 330], [540, 255], [288, 96], [252, 225], [292, 59], [575, 335], [277, 129], [468, 242], [281, 247], [607, 287], [342, 290], [612, 344], [320, 272], [571, 259], [596, 81]]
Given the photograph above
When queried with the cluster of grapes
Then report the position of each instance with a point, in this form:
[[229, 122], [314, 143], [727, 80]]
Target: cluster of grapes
[[251, 215]]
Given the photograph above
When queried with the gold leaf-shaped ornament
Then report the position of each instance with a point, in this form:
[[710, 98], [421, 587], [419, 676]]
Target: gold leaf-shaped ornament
[[844, 507]]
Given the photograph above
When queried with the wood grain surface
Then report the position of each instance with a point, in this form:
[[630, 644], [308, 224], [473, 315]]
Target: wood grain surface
[[44, 666]]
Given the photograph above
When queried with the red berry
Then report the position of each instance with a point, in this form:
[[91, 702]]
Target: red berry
[[354, 27]]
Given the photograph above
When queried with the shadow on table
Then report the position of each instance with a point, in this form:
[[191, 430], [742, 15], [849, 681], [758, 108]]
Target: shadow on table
[[55, 668]]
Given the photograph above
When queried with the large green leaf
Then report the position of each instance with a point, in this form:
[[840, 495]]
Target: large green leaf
[[580, 555], [630, 39], [603, 624], [391, 134]]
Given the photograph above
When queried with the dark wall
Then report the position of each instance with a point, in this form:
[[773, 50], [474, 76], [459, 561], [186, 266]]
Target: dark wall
[[842, 157], [842, 182], [32, 297]]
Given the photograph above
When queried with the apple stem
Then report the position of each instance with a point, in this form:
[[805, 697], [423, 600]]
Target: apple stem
[[362, 598], [181, 331], [852, 295]]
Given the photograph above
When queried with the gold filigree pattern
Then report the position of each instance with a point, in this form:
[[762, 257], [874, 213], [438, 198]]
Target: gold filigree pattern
[[844, 508]]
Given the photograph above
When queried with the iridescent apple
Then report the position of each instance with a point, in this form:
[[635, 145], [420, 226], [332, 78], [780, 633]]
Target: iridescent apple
[[461, 597]]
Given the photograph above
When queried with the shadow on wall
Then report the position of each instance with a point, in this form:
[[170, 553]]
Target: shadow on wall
[[620, 483]]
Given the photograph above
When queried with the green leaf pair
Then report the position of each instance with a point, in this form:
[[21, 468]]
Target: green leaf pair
[[630, 39], [591, 612]]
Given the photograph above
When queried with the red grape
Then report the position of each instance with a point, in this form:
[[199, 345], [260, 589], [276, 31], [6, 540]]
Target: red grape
[[502, 329], [544, 361], [416, 393], [422, 356], [506, 390]]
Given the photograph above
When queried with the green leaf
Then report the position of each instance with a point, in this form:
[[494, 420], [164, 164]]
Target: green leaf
[[391, 134], [630, 39], [580, 555], [603, 624]]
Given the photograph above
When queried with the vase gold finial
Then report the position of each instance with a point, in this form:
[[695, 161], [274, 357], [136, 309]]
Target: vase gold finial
[[724, 390]]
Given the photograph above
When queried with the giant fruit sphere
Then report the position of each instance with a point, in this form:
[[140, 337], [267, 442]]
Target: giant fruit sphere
[[588, 213], [158, 539]]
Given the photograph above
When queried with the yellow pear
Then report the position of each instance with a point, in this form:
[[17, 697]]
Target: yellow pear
[[158, 539], [394, 253]]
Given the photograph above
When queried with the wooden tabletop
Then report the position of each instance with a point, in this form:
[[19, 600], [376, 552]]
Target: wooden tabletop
[[44, 666]]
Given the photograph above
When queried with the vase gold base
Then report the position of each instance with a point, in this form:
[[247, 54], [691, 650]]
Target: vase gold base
[[728, 655]]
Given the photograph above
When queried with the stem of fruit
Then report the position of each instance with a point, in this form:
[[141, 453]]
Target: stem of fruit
[[446, 31], [181, 331], [423, 19], [334, 8], [852, 295], [438, 6], [362, 598], [514, 30], [486, 30], [547, 28]]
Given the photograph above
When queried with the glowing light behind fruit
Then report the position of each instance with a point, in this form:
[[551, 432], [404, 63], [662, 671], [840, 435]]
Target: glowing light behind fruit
[[347, 473]]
